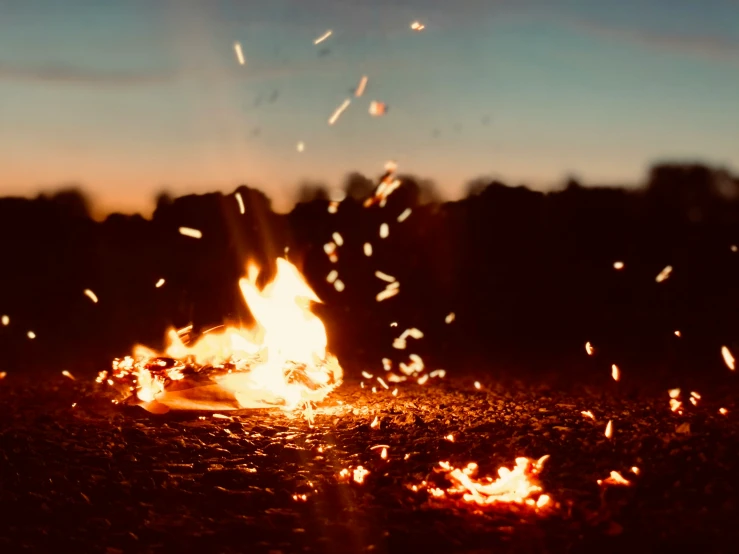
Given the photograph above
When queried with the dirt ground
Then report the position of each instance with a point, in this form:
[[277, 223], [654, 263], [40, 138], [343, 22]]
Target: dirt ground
[[98, 477]]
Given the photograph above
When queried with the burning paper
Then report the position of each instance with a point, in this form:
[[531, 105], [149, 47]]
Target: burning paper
[[281, 361]]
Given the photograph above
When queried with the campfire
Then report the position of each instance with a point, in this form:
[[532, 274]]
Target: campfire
[[280, 361]]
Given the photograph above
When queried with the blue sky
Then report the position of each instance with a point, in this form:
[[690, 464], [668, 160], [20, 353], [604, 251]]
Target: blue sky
[[130, 98]]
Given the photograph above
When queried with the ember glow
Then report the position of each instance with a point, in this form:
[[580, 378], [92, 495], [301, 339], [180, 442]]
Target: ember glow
[[91, 295], [615, 372], [281, 361], [5, 320], [519, 485], [193, 233], [160, 283], [728, 358]]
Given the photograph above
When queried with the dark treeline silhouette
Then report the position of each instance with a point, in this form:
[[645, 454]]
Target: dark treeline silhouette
[[529, 275]]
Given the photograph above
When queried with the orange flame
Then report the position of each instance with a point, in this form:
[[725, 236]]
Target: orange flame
[[281, 361]]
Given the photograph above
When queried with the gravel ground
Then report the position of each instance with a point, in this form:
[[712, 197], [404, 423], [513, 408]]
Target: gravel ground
[[104, 478]]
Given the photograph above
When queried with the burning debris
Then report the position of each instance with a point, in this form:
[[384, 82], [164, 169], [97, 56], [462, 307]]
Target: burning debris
[[280, 362]]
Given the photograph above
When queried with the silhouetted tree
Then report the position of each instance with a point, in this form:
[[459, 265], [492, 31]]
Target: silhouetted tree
[[73, 201], [357, 186]]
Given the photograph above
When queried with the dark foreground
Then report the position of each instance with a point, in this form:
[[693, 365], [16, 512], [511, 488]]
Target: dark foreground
[[102, 478]]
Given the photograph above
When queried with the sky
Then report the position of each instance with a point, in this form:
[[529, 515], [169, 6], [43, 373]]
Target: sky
[[128, 99]]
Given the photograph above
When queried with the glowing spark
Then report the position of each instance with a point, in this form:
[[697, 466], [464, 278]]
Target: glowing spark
[[618, 265], [300, 497], [387, 364], [664, 274], [384, 231], [91, 295], [383, 383], [240, 201], [361, 86], [333, 207], [406, 213], [31, 335], [728, 358], [159, 283], [367, 249], [188, 232], [5, 320], [375, 423], [359, 474], [367, 375], [449, 318], [723, 411], [678, 334], [332, 276], [450, 437], [386, 293], [635, 470], [588, 413], [394, 324], [68, 375], [478, 386], [301, 146], [339, 285], [615, 479], [734, 248], [221, 416], [615, 372], [440, 373], [674, 393], [417, 26], [695, 395], [377, 109], [3, 375], [395, 393], [384, 276], [74, 404], [675, 405], [323, 37], [338, 239], [422, 380], [337, 113], [609, 429], [589, 348], [239, 53]]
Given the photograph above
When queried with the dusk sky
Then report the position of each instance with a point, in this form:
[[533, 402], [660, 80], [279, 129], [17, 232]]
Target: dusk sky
[[133, 97]]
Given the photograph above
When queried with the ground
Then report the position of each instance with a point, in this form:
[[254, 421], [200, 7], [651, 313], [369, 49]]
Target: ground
[[99, 477]]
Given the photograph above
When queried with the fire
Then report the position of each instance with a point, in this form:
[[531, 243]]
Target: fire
[[281, 361], [519, 485]]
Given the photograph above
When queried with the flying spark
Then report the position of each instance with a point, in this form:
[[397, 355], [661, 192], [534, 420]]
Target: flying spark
[[68, 375], [240, 201], [91, 295], [301, 146], [339, 285], [384, 231], [678, 334], [589, 348], [417, 26], [609, 429], [664, 274], [728, 358], [588, 413], [362, 85], [449, 318], [618, 266], [478, 386], [615, 372], [338, 239], [385, 276], [340, 110], [160, 283], [31, 335], [406, 213], [239, 53], [189, 232], [332, 276], [5, 320], [323, 37], [367, 249]]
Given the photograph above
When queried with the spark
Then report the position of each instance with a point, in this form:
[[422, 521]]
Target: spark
[[188, 232], [383, 454], [339, 285], [609, 429], [301, 146], [615, 372], [734, 248], [394, 324], [406, 213], [441, 373], [387, 364], [74, 404], [695, 395], [5, 320], [728, 358], [385, 277], [675, 405], [91, 295], [615, 479], [450, 437], [323, 37], [674, 393], [300, 497], [417, 26], [422, 380], [221, 416], [242, 209], [3, 375], [386, 293], [449, 318], [332, 276], [678, 333], [367, 249], [333, 207], [635, 470], [588, 413], [361, 86], [723, 411], [159, 283], [340, 110], [384, 231], [589, 348], [478, 386], [68, 375], [338, 239], [367, 375], [618, 265], [375, 423], [377, 109], [664, 274], [395, 393], [383, 383], [359, 474], [239, 53], [31, 335]]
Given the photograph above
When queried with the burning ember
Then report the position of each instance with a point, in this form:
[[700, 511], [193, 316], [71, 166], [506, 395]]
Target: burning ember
[[281, 361], [519, 485]]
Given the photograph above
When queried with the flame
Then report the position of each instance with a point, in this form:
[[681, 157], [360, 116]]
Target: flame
[[281, 361], [519, 485]]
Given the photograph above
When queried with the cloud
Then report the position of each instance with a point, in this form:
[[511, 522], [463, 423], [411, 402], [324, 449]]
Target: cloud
[[71, 75]]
